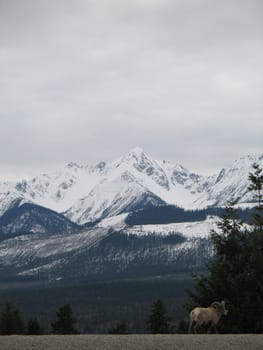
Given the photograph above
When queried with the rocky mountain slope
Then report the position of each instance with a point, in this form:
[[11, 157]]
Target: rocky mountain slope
[[103, 253], [23, 218]]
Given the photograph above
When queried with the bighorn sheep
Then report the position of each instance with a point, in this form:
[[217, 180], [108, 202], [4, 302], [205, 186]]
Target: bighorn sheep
[[207, 316]]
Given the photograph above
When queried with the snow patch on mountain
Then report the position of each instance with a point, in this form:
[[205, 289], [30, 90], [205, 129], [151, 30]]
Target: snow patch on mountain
[[118, 222], [197, 229]]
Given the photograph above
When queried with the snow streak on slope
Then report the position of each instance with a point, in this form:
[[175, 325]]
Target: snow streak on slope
[[9, 200], [118, 222], [34, 249], [197, 229]]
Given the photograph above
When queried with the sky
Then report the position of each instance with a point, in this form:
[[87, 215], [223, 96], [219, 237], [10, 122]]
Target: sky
[[88, 80]]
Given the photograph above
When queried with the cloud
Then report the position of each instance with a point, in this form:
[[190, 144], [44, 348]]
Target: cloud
[[180, 78]]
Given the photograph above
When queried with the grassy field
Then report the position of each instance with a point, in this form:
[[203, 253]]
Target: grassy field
[[132, 342]]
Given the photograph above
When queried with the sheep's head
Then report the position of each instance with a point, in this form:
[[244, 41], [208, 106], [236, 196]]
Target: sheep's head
[[220, 306]]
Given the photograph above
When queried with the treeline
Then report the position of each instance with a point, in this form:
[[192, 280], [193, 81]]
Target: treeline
[[166, 214], [11, 322]]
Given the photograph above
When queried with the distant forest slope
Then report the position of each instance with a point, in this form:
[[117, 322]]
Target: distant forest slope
[[166, 214]]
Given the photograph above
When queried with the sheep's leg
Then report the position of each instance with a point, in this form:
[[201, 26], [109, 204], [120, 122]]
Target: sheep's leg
[[213, 326], [210, 326], [195, 328], [190, 327]]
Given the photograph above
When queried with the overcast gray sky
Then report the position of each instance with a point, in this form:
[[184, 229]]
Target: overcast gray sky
[[87, 80]]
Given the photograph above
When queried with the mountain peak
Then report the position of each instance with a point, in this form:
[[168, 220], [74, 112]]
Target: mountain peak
[[137, 156], [136, 151]]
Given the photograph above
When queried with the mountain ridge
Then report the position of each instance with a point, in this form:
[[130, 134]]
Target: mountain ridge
[[86, 193]]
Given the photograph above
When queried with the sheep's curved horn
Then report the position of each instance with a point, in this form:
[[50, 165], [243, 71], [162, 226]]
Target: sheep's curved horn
[[216, 304]]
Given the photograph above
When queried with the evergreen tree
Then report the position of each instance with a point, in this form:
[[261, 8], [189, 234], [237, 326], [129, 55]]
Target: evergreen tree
[[65, 321], [10, 320], [256, 184], [119, 328], [158, 321], [182, 327], [235, 274], [33, 327]]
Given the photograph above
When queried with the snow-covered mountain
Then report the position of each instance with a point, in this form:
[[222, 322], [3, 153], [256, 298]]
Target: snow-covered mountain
[[87, 193], [231, 183], [137, 205]]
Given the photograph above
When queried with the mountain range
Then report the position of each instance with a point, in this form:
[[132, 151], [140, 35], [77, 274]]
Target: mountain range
[[87, 193], [133, 214]]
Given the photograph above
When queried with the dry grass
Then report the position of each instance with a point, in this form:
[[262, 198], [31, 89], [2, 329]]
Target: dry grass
[[132, 342]]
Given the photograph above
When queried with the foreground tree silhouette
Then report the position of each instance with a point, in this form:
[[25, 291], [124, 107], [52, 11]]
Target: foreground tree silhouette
[[158, 321], [236, 272], [33, 327], [119, 328], [256, 184], [65, 321], [10, 320]]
